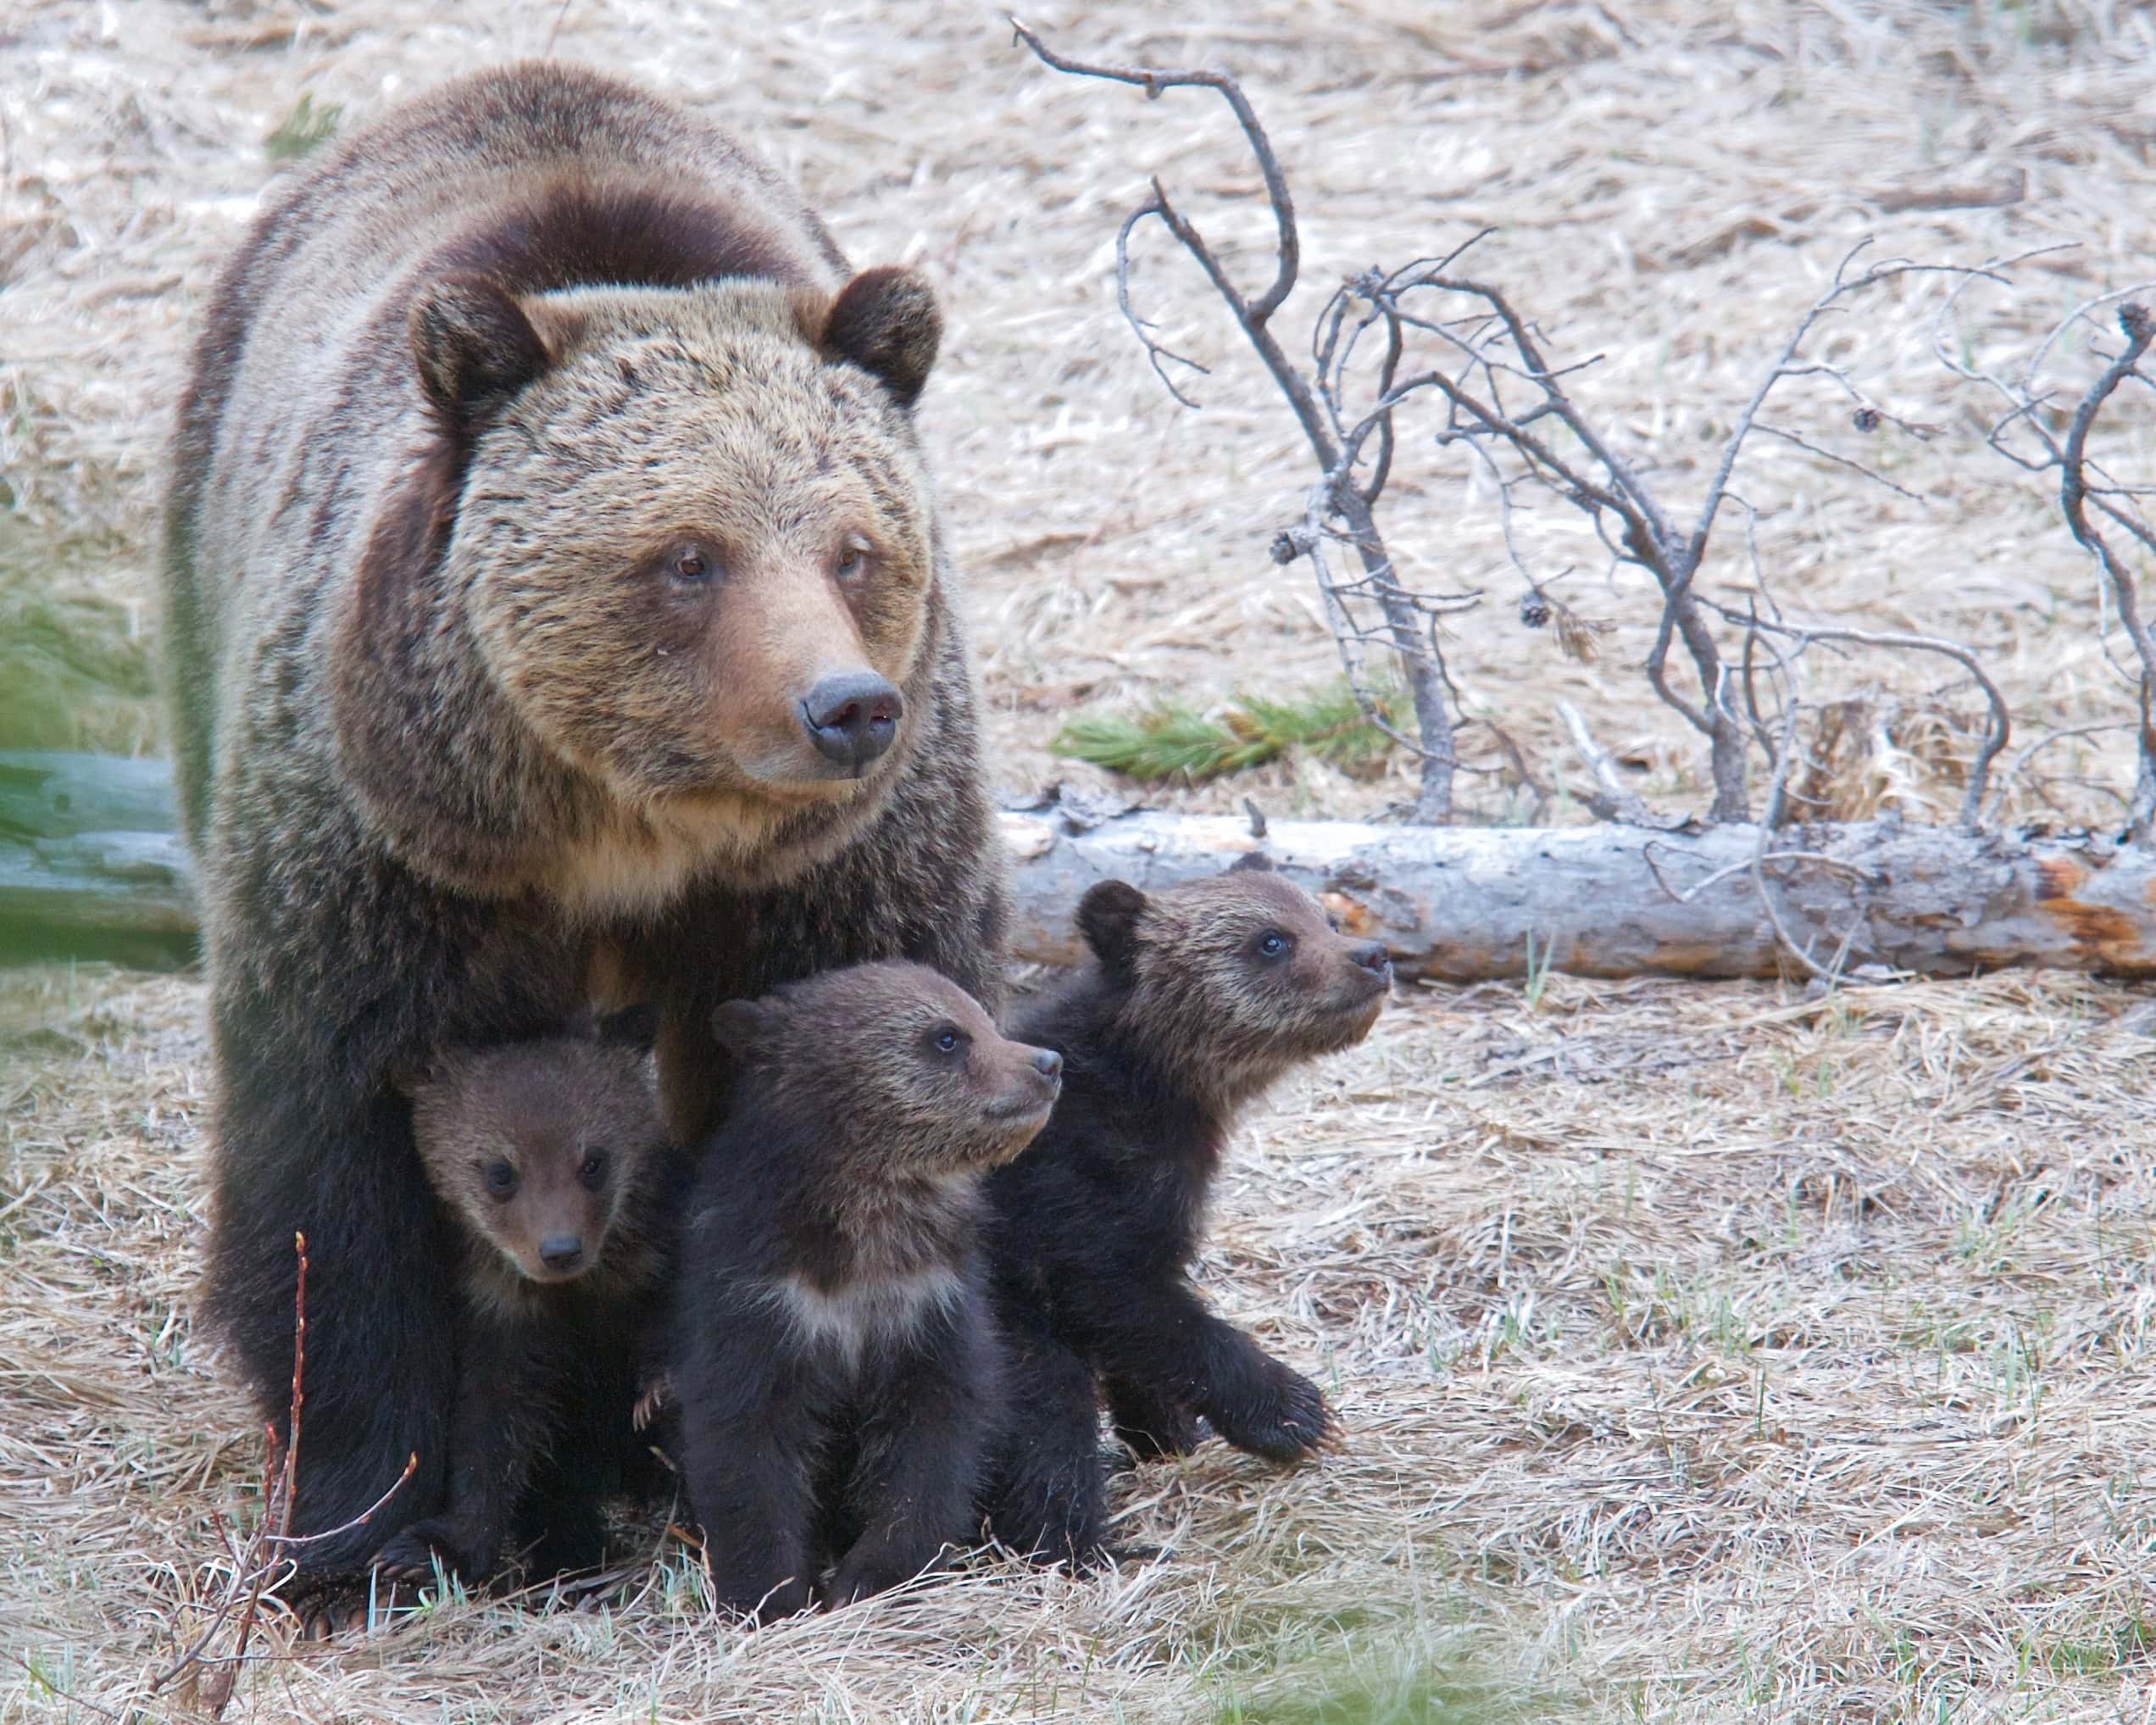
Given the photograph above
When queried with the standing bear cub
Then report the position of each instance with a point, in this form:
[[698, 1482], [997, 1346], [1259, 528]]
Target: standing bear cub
[[1197, 999], [551, 566], [549, 1154], [833, 1357]]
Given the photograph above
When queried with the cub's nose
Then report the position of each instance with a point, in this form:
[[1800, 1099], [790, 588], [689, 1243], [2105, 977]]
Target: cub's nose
[[561, 1252], [1372, 957], [851, 718], [1048, 1063]]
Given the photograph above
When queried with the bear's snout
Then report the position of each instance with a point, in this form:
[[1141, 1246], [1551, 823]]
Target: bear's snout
[[851, 718]]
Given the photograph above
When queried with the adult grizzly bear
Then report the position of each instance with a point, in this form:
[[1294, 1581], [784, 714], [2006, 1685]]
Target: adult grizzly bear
[[551, 568]]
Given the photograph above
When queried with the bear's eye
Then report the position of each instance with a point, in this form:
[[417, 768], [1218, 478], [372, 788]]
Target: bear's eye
[[948, 1039], [1332, 923], [690, 563], [1272, 943], [593, 1173], [501, 1179], [852, 561]]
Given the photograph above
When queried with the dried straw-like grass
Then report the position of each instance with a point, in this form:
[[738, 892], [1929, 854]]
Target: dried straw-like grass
[[1705, 1353]]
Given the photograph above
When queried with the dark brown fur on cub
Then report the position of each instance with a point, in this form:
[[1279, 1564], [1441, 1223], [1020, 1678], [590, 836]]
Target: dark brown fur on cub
[[550, 1156], [551, 558], [834, 1361], [1197, 999]]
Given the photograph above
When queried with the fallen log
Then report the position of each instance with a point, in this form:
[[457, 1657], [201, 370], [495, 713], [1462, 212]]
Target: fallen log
[[88, 857]]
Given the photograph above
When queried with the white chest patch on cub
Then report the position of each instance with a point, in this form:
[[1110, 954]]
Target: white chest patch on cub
[[887, 1308]]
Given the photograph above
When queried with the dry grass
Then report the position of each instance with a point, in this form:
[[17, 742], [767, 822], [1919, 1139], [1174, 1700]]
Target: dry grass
[[1707, 1354]]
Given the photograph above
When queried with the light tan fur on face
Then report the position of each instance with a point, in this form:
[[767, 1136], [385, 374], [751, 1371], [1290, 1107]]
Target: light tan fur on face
[[542, 1107], [1234, 1024], [684, 700]]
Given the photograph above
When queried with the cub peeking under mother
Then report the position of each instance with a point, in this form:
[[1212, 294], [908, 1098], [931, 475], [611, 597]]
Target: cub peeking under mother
[[556, 602]]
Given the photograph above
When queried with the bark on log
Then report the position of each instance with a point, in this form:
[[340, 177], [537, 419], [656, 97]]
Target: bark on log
[[88, 857], [1462, 903]]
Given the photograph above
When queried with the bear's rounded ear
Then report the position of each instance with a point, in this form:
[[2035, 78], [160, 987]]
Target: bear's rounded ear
[[412, 1074], [1256, 862], [884, 321], [742, 1028], [632, 1027], [474, 345], [1107, 916]]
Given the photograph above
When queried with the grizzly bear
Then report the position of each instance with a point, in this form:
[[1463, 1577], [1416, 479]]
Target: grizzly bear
[[549, 1154], [552, 568], [833, 1357], [1198, 997]]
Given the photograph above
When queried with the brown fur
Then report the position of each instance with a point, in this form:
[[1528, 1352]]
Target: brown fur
[[542, 1110], [1199, 997], [1208, 1023], [836, 1366], [533, 1146], [487, 376]]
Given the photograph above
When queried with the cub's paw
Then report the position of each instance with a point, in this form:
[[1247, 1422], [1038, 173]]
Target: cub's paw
[[869, 1569], [1286, 1420], [766, 1602], [412, 1554], [1154, 1430]]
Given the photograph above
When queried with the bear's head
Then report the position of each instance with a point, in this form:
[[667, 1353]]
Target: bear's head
[[1232, 979], [688, 534], [536, 1145], [895, 1073]]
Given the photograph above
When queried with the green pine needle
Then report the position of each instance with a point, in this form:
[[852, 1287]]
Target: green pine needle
[[1173, 740], [305, 129]]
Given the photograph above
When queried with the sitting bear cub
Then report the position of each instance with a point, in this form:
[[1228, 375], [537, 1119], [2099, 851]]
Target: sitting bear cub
[[1197, 999], [834, 1362], [549, 1156]]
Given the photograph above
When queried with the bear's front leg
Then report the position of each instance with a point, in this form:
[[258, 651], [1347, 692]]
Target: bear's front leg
[[1163, 1340], [1153, 1421], [921, 1450], [305, 1147]]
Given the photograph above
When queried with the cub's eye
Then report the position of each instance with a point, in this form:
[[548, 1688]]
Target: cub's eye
[[689, 565], [1272, 944], [501, 1179], [948, 1040], [1332, 923], [597, 1166], [852, 561]]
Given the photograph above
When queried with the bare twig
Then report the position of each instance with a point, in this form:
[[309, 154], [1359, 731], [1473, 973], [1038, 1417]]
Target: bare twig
[[2074, 496], [259, 1564], [1341, 500], [1619, 802]]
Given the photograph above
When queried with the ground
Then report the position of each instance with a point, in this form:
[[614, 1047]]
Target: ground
[[1703, 1353]]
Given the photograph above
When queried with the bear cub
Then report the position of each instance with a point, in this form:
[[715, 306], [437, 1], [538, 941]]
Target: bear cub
[[549, 1156], [1198, 997], [834, 1364]]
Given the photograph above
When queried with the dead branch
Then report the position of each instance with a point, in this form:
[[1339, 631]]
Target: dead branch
[[1480, 360], [1341, 508], [2075, 496], [259, 1566], [2083, 487]]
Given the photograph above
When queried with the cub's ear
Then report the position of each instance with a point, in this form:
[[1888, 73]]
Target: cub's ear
[[414, 1073], [743, 1028], [1254, 861], [884, 321], [1107, 916], [632, 1027], [474, 348]]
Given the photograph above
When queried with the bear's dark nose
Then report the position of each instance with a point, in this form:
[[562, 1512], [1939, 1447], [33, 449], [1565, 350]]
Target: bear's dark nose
[[851, 718], [1372, 957], [1048, 1063], [561, 1251]]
